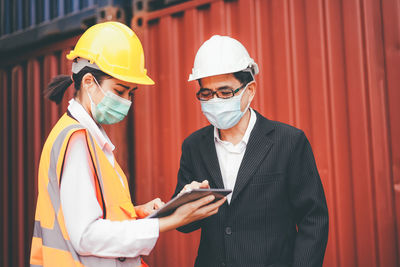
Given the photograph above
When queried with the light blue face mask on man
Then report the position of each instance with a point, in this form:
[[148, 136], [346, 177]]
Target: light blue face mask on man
[[224, 113], [111, 109]]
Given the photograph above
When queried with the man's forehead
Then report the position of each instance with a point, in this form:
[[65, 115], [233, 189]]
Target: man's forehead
[[218, 81]]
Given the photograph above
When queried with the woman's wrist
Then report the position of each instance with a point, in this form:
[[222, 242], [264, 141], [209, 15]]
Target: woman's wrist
[[168, 223]]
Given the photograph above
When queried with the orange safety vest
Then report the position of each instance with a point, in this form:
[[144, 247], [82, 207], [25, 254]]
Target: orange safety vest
[[51, 245]]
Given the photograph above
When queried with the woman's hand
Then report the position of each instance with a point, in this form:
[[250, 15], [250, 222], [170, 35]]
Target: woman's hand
[[194, 185], [190, 212], [148, 208]]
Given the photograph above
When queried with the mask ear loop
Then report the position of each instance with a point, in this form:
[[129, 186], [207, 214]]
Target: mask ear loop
[[250, 70], [87, 92], [90, 98], [104, 93]]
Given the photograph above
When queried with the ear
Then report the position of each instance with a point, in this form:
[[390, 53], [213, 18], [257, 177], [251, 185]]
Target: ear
[[87, 81], [251, 89]]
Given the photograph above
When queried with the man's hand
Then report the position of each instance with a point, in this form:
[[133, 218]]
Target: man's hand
[[148, 208], [194, 185], [190, 212]]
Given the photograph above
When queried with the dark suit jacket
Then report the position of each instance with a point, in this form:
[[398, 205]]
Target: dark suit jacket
[[277, 188]]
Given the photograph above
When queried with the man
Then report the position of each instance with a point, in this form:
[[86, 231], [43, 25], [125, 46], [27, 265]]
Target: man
[[277, 213]]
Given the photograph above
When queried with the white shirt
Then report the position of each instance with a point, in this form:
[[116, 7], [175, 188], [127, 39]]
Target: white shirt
[[88, 232], [230, 156]]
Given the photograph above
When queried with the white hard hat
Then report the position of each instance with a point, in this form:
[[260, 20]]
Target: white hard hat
[[221, 55]]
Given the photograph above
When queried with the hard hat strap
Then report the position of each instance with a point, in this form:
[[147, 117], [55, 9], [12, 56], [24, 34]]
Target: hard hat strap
[[250, 69]]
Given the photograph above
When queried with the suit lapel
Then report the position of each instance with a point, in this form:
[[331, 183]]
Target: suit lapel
[[257, 149], [210, 159]]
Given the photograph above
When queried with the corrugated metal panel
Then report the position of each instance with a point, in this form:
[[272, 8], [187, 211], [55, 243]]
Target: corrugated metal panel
[[17, 143], [33, 143], [328, 67], [4, 166], [390, 17]]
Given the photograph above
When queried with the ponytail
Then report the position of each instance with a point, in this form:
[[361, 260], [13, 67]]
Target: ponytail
[[57, 87]]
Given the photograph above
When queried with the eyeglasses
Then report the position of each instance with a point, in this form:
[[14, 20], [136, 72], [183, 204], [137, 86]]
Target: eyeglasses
[[205, 94]]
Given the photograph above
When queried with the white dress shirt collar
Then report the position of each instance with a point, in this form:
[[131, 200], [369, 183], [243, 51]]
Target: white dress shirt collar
[[81, 115], [238, 148]]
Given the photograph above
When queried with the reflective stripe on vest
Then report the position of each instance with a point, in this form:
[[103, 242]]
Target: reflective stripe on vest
[[50, 243]]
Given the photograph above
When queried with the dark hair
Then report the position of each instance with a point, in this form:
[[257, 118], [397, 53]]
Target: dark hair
[[243, 76], [58, 85]]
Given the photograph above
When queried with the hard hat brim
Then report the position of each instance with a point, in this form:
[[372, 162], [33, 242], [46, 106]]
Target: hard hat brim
[[194, 77], [146, 80]]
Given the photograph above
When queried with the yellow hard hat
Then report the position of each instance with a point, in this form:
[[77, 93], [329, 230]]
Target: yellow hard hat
[[115, 49]]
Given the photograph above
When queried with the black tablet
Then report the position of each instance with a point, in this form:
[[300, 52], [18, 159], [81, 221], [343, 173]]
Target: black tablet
[[188, 196]]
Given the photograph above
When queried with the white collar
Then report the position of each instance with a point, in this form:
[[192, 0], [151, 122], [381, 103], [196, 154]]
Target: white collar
[[246, 136], [81, 115]]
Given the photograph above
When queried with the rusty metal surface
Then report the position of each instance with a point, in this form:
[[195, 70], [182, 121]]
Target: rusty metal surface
[[328, 67]]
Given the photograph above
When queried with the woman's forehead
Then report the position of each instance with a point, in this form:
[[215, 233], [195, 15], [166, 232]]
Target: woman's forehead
[[115, 81]]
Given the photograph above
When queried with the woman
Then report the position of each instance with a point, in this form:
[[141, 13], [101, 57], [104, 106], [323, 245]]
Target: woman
[[84, 214]]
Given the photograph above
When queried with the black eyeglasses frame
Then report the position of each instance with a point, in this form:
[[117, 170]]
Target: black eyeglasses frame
[[234, 91]]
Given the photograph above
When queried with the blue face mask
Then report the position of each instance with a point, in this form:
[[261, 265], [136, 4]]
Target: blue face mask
[[111, 109], [224, 113]]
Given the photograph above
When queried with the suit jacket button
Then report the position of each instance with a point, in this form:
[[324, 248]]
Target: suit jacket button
[[228, 230]]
